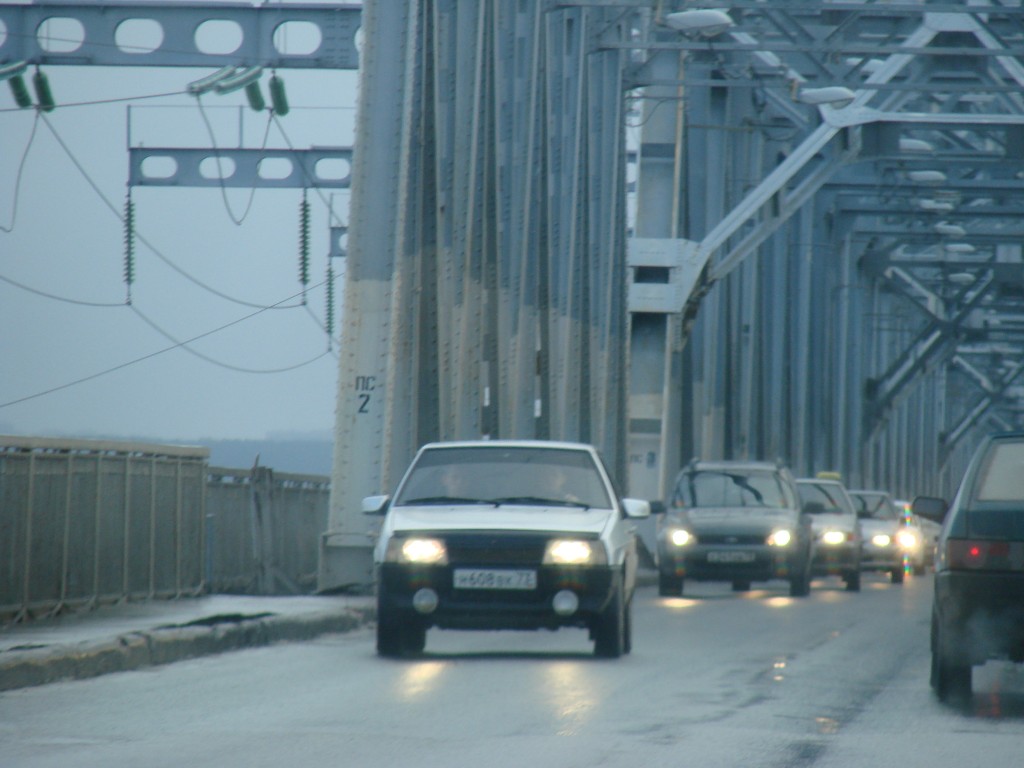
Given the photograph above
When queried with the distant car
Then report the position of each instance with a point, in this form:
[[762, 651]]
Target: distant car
[[837, 545], [978, 603], [918, 539], [884, 542], [501, 534], [734, 521], [929, 529]]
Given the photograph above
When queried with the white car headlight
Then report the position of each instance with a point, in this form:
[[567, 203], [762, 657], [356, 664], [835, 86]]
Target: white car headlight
[[881, 540], [907, 539], [681, 537], [833, 538], [416, 550], [780, 538], [574, 552]]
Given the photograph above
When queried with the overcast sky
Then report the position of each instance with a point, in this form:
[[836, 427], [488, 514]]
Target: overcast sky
[[69, 368]]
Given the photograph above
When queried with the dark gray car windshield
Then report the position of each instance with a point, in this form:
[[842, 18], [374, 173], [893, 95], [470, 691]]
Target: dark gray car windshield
[[505, 475], [720, 488]]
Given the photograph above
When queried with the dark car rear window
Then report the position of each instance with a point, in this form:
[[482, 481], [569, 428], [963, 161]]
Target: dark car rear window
[[996, 506], [1001, 477]]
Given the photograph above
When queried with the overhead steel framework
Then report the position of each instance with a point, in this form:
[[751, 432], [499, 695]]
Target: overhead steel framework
[[795, 159], [819, 257], [846, 196]]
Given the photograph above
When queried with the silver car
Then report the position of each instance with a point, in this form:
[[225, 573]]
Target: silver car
[[886, 542], [505, 534]]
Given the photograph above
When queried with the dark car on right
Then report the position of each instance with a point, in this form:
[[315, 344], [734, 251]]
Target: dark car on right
[[978, 604]]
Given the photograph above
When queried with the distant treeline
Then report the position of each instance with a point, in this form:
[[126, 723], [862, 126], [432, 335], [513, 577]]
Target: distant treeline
[[306, 457]]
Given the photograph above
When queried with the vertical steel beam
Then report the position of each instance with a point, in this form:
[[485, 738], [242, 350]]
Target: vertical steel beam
[[375, 236]]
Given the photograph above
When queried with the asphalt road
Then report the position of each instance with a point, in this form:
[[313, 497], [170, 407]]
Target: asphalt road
[[716, 678]]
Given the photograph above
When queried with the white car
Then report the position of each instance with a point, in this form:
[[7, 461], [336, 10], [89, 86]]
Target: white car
[[886, 540], [503, 534]]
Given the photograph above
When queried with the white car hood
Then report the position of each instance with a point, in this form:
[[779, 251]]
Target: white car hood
[[828, 521], [503, 518], [870, 527]]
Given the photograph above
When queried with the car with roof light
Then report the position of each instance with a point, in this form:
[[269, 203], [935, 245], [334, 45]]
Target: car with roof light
[[837, 534], [978, 596], [734, 521], [505, 534], [885, 540]]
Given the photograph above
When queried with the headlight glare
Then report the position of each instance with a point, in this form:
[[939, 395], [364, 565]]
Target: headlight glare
[[780, 538], [574, 552], [680, 537], [833, 538], [907, 539], [881, 540], [417, 550]]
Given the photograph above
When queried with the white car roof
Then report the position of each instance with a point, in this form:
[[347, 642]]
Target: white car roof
[[550, 444]]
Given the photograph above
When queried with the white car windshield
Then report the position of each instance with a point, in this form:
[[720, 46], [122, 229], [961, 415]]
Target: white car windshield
[[503, 476]]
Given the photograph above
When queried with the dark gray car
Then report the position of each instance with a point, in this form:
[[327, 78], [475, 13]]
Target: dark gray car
[[734, 521], [978, 608]]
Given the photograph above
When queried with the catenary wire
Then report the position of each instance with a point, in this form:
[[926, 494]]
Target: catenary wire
[[17, 178], [151, 355], [64, 299], [143, 240], [237, 220], [184, 345]]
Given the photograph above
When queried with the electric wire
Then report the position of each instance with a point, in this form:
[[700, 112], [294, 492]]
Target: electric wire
[[184, 345], [100, 102], [21, 168], [122, 366], [64, 299], [142, 239], [319, 192], [237, 220]]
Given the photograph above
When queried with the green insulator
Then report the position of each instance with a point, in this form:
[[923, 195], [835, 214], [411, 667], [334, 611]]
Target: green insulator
[[20, 91], [278, 99], [43, 93], [255, 96]]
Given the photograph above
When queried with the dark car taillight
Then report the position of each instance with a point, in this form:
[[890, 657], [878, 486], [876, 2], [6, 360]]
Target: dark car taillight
[[981, 555]]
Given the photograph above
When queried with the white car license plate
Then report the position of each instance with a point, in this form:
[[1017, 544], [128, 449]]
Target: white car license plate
[[484, 578], [730, 557]]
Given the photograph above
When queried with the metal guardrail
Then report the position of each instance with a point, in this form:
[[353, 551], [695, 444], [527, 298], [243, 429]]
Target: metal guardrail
[[86, 522], [263, 530]]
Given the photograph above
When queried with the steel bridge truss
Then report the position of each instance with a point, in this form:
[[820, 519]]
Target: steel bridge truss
[[821, 260], [828, 216]]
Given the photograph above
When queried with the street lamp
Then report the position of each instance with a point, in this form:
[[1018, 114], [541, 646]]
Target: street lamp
[[705, 22], [915, 145], [950, 230], [936, 206], [959, 248], [835, 96], [927, 177]]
